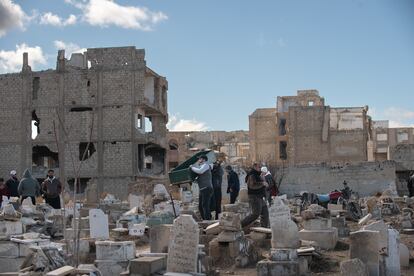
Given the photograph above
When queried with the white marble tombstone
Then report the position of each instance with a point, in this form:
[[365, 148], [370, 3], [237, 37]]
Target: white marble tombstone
[[183, 247], [98, 224]]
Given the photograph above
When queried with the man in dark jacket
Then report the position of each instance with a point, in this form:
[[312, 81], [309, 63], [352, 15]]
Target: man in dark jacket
[[12, 184], [28, 187], [217, 179], [4, 191], [256, 186], [203, 170], [410, 184], [52, 188], [233, 184]]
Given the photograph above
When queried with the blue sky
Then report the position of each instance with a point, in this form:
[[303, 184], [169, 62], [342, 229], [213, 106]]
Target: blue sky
[[224, 59]]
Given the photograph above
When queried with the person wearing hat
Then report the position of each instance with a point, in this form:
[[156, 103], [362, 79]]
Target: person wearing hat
[[12, 184], [204, 180], [233, 184], [271, 188]]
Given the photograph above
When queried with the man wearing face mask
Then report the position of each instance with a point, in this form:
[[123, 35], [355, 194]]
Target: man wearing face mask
[[52, 188]]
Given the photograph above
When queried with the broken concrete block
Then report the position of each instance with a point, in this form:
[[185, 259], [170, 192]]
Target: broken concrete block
[[230, 221], [325, 239], [229, 236], [110, 268], [115, 251], [160, 238], [65, 270], [213, 229], [288, 268], [354, 267], [365, 219], [9, 228], [11, 264], [146, 266], [9, 249], [70, 233], [317, 224]]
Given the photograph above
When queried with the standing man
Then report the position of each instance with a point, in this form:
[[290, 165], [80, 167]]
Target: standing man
[[271, 188], [203, 170], [12, 184], [217, 179], [256, 186], [28, 187], [233, 184], [4, 191], [52, 188], [410, 184]]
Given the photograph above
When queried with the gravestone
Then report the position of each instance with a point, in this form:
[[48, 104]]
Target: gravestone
[[137, 230], [382, 228], [392, 259], [285, 233], [183, 248], [278, 210], [98, 224], [365, 246]]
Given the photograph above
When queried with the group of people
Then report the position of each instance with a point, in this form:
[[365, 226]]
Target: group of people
[[29, 187], [260, 184]]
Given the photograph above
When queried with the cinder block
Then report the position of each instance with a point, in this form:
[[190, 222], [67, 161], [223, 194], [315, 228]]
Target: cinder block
[[145, 266]]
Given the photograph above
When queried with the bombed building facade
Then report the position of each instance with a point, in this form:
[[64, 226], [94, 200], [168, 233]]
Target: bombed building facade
[[233, 146], [303, 130], [105, 107]]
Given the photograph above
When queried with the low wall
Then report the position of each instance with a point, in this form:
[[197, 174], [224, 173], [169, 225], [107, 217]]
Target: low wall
[[366, 178]]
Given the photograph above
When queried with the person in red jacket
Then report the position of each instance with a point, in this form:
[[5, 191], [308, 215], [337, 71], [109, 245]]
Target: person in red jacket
[[4, 191]]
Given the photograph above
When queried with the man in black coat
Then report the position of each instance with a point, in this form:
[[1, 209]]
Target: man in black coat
[[12, 184], [233, 184]]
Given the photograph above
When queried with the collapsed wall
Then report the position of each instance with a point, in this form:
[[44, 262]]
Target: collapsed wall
[[366, 178]]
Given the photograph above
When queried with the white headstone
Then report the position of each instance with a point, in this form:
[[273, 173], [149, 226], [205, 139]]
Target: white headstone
[[98, 224], [183, 248], [5, 201], [365, 246], [382, 228]]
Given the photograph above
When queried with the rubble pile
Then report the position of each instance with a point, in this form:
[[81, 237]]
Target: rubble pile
[[158, 235]]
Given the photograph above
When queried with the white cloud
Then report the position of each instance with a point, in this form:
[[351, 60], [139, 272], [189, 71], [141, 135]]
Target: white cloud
[[11, 16], [105, 13], [397, 116], [69, 47], [177, 124], [54, 20], [11, 61]]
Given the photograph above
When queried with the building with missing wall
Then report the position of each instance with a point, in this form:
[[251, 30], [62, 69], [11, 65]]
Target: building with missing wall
[[104, 106]]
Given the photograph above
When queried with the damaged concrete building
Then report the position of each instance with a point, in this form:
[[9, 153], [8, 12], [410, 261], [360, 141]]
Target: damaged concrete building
[[302, 130], [234, 146], [105, 107]]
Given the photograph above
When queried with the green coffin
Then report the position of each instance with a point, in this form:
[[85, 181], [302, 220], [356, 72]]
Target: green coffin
[[182, 173]]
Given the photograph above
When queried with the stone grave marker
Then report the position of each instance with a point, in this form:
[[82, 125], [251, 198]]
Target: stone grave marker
[[98, 224], [183, 247]]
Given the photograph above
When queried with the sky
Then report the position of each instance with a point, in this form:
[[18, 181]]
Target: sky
[[224, 59]]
